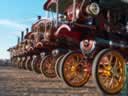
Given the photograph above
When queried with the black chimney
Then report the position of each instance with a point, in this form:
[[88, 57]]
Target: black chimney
[[27, 30], [22, 35], [39, 17]]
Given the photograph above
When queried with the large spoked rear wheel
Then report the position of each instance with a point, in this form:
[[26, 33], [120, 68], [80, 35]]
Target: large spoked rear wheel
[[109, 72], [74, 70], [48, 66], [36, 64]]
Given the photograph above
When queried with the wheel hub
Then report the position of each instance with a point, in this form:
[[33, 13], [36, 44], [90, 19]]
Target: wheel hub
[[73, 68]]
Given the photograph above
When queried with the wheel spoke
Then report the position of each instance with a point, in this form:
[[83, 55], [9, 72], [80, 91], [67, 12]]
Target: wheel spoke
[[106, 83], [115, 82], [115, 64], [78, 59], [71, 76], [81, 75], [111, 82], [111, 58]]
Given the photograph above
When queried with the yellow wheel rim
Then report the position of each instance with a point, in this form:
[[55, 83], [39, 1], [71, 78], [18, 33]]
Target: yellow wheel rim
[[76, 71], [49, 67], [111, 71]]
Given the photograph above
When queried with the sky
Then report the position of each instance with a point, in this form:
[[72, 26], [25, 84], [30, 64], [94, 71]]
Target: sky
[[16, 16]]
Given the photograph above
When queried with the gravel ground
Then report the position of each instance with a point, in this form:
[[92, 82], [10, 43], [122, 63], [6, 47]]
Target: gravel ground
[[18, 82]]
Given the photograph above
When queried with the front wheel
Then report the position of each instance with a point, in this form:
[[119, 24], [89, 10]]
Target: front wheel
[[74, 69], [19, 63], [18, 59], [24, 63], [36, 64], [109, 71], [47, 66]]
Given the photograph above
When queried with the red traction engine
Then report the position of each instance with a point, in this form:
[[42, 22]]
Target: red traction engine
[[29, 50], [103, 33], [106, 50], [44, 42], [34, 49], [24, 49], [66, 37], [71, 26], [18, 51], [33, 46]]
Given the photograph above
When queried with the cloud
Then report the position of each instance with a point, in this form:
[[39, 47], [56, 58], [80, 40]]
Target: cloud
[[13, 24]]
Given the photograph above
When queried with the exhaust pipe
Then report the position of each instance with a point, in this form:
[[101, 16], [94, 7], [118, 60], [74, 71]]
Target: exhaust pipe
[[27, 30], [39, 17], [22, 35], [18, 40]]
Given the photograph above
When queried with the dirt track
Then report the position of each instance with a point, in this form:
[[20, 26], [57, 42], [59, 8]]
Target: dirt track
[[18, 82]]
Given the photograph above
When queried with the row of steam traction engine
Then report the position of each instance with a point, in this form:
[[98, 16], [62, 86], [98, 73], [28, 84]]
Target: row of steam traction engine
[[77, 40]]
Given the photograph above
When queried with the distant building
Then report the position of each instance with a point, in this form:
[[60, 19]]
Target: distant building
[[4, 62]]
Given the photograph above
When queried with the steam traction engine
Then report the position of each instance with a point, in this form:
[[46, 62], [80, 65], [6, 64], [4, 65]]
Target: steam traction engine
[[17, 52], [71, 66], [66, 41], [83, 38], [107, 47], [103, 42], [44, 42]]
